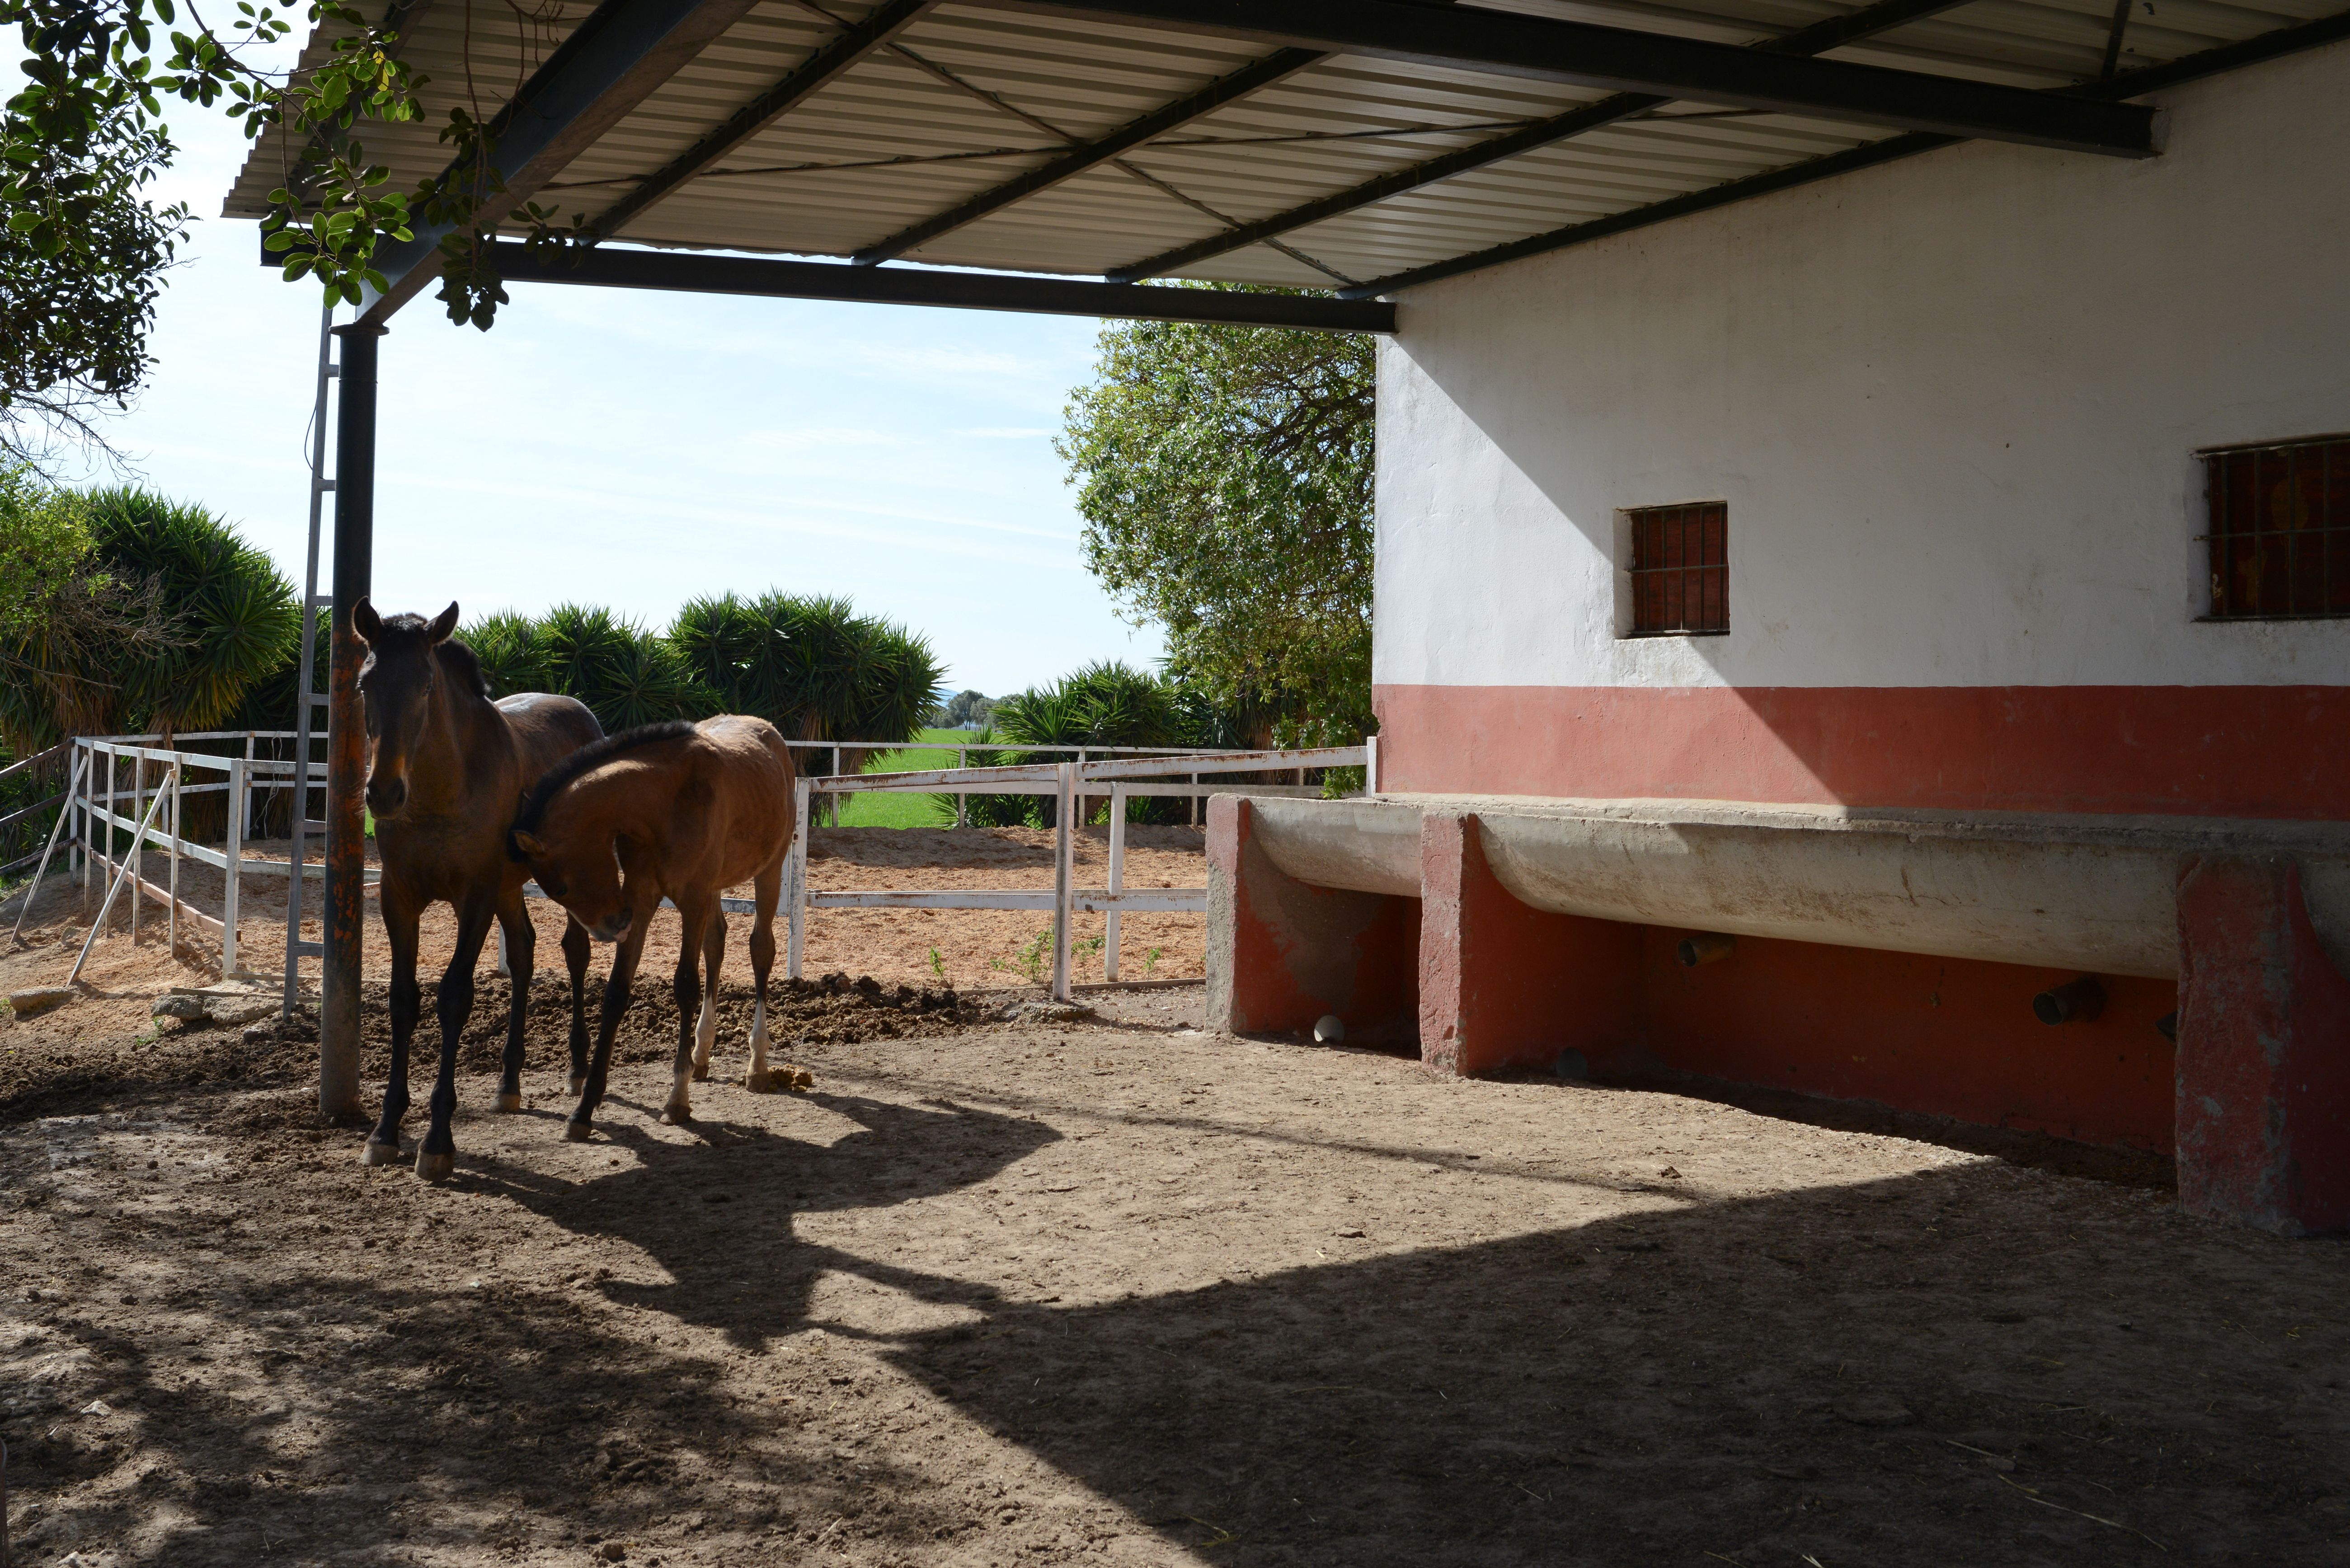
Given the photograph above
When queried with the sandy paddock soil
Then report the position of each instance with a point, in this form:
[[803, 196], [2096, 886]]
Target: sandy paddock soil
[[1114, 1291]]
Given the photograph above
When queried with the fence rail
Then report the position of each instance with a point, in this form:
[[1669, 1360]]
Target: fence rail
[[98, 810]]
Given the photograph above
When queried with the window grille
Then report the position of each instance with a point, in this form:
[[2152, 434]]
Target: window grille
[[1680, 569], [2279, 530]]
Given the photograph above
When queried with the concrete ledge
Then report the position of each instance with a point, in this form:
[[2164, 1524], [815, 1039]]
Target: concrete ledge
[[2093, 893]]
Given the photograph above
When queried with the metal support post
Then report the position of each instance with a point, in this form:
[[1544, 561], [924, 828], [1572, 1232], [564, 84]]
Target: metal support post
[[1064, 847], [345, 896], [231, 874]]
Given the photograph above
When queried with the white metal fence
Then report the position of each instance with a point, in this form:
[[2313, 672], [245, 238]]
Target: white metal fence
[[1069, 784], [122, 784]]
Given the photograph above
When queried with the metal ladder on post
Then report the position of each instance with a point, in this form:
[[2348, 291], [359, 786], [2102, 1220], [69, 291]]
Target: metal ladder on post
[[308, 701]]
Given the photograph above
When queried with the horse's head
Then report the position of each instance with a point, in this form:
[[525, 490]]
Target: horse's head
[[573, 863], [398, 681]]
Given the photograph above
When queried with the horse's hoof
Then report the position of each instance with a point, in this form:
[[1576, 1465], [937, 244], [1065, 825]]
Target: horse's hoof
[[701, 1072], [678, 1116], [509, 1103], [577, 1132], [379, 1153], [761, 1082], [436, 1167]]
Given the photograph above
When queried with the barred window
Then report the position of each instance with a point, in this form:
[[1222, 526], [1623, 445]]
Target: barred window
[[2279, 530], [1680, 569]]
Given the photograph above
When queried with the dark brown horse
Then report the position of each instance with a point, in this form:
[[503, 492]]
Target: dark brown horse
[[676, 810], [447, 769]]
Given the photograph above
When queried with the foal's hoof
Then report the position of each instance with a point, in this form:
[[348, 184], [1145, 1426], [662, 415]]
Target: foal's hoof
[[379, 1153], [577, 1132], [436, 1167], [701, 1072], [509, 1103], [578, 1082], [759, 1081], [678, 1116]]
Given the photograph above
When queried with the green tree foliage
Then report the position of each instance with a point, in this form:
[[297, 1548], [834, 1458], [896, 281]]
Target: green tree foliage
[[811, 666], [238, 611], [1224, 474], [1105, 705], [130, 612], [626, 674], [82, 252]]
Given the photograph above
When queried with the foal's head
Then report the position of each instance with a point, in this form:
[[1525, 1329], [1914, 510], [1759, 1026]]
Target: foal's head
[[574, 864], [398, 681]]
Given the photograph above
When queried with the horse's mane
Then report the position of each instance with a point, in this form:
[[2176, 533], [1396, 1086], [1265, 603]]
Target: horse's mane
[[552, 782], [466, 666]]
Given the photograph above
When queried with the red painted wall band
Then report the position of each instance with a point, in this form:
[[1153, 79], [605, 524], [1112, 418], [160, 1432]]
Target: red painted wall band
[[2214, 750]]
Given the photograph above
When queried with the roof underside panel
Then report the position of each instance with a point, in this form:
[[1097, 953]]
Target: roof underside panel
[[940, 116]]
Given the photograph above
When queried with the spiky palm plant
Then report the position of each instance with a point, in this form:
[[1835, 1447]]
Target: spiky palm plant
[[237, 611], [511, 654], [721, 640], [626, 675]]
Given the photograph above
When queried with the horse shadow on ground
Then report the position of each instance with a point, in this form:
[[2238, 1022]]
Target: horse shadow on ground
[[717, 1213]]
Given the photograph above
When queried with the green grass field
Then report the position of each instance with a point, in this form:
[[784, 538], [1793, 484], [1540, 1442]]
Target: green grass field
[[907, 810]]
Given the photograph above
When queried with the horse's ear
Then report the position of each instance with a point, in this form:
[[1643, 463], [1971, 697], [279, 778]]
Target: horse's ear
[[529, 844], [443, 624], [365, 621]]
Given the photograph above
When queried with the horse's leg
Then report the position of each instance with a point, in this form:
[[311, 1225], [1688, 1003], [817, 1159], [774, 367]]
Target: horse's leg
[[694, 907], [616, 1002], [705, 1032], [576, 946], [436, 1157], [400, 922], [522, 944], [763, 893]]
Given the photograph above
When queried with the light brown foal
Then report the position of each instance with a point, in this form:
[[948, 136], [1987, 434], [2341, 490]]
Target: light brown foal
[[679, 811]]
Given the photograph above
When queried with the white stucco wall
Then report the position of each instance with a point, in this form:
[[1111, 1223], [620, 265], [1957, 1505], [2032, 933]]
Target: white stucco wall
[[1952, 404]]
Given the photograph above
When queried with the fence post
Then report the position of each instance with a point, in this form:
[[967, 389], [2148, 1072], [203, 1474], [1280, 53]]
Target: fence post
[[58, 829], [962, 801], [172, 920], [231, 874], [113, 886], [1117, 879], [795, 882], [138, 840], [1064, 846]]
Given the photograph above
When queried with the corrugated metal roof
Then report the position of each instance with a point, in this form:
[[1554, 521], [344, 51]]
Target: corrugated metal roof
[[971, 95]]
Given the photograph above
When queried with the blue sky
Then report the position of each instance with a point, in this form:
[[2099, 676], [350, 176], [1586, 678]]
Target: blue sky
[[636, 449]]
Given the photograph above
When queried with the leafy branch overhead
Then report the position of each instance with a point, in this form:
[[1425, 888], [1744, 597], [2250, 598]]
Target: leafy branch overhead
[[82, 251]]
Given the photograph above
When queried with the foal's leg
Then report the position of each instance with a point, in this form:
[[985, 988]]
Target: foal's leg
[[522, 945], [576, 946], [616, 1003], [400, 922], [436, 1157], [694, 907], [713, 953], [763, 893]]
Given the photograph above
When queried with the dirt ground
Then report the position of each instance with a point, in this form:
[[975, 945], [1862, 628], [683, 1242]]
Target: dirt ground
[[1113, 1291]]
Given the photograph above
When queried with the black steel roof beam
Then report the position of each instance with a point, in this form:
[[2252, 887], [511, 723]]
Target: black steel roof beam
[[853, 43], [612, 62], [1816, 40], [1622, 60], [695, 272], [2130, 84], [1092, 154]]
